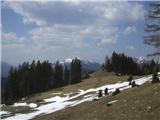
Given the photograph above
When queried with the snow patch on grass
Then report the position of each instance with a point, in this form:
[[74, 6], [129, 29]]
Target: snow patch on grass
[[20, 104], [4, 113], [111, 102], [31, 105]]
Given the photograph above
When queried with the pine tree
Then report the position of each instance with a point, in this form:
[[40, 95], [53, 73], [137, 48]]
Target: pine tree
[[76, 71], [58, 75], [33, 78], [106, 91], [66, 76], [27, 79], [130, 79], [100, 93], [12, 92], [155, 78]]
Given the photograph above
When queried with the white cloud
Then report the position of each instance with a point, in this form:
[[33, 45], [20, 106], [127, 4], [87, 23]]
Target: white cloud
[[130, 47], [62, 23], [49, 13], [63, 26], [123, 11], [129, 29], [11, 40], [73, 36], [109, 39]]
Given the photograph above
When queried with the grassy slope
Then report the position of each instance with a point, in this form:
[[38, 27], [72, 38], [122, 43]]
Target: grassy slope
[[97, 79], [142, 103]]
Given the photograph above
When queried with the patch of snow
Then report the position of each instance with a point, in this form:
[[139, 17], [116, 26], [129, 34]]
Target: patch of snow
[[23, 98], [4, 113], [19, 104], [143, 80], [87, 96], [32, 105], [112, 102], [56, 98]]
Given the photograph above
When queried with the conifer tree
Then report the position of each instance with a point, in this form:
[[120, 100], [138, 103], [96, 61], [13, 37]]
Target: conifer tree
[[58, 75], [66, 75], [76, 71]]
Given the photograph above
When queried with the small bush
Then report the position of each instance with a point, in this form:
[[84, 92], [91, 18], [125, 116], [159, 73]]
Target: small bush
[[117, 91], [100, 93], [130, 78], [133, 84], [155, 78], [106, 91]]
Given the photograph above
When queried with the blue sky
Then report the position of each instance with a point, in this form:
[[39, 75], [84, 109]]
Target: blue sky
[[45, 30]]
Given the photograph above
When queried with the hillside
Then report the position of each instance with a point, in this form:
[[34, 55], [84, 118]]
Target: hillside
[[142, 103], [76, 101]]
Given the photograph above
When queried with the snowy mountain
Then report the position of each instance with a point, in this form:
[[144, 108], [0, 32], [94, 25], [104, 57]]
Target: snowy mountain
[[87, 66], [141, 60]]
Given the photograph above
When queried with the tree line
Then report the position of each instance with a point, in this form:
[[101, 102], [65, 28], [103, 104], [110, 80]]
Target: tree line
[[28, 79], [123, 64]]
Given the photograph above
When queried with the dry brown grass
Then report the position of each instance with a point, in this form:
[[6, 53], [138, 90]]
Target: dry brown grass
[[142, 103]]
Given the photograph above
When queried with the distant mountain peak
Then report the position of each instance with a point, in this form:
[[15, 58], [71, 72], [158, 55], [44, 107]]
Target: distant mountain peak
[[68, 60], [141, 59], [87, 65]]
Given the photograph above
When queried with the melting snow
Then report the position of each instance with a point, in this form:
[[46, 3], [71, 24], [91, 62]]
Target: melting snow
[[31, 105], [112, 101], [4, 113], [59, 103], [20, 104]]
